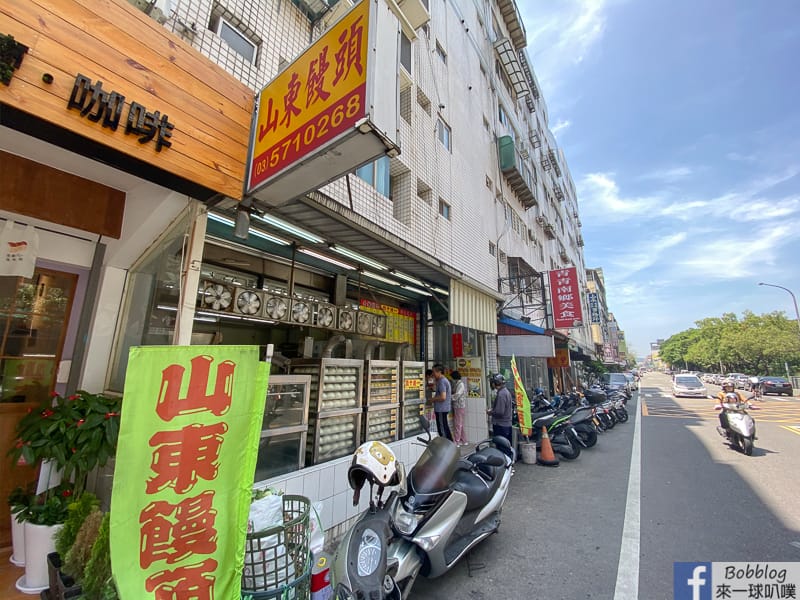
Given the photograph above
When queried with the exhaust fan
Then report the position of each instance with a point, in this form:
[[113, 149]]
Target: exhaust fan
[[364, 323], [347, 319], [248, 302], [301, 311], [325, 315], [215, 296], [379, 326], [276, 307]]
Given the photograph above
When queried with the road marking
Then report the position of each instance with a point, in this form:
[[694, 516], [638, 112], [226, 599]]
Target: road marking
[[792, 428], [627, 587], [644, 408], [795, 544]]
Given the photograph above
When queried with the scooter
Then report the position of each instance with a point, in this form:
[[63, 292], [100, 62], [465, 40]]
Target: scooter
[[442, 509], [741, 429]]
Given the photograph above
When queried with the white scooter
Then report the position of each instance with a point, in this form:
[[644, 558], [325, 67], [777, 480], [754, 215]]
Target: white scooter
[[741, 429], [443, 508]]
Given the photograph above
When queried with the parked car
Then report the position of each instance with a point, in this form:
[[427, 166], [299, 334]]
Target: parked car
[[688, 385], [742, 382], [617, 381], [775, 385]]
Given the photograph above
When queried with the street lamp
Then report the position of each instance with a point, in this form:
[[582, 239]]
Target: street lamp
[[794, 300]]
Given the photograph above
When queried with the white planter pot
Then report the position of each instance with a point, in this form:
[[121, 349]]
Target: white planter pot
[[17, 542], [39, 542]]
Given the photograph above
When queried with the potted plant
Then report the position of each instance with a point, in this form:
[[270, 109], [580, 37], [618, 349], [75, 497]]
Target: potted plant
[[18, 501], [73, 546], [69, 436]]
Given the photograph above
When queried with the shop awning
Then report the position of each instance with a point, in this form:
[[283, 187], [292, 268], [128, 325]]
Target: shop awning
[[527, 327], [460, 300], [534, 346]]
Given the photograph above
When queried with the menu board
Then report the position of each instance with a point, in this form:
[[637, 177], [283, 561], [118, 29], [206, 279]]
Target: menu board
[[401, 324], [471, 369]]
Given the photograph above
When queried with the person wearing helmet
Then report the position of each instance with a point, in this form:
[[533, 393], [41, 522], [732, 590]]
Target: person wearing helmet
[[442, 402], [726, 395], [502, 410]]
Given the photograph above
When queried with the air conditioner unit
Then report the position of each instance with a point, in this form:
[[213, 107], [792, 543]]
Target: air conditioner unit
[[249, 302], [324, 315], [213, 295], [300, 312], [379, 326], [364, 323], [347, 319], [276, 307]]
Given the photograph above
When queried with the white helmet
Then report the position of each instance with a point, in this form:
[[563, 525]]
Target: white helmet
[[728, 383], [374, 462]]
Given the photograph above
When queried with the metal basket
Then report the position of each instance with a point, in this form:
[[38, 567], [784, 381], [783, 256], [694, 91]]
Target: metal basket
[[277, 559]]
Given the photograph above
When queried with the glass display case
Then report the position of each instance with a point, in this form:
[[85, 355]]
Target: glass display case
[[381, 382], [412, 397], [335, 411], [381, 423], [282, 448], [410, 425]]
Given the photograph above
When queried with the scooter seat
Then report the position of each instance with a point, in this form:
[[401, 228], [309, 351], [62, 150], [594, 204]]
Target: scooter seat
[[478, 490], [479, 459]]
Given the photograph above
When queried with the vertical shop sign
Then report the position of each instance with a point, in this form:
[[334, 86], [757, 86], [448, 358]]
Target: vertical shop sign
[[594, 307], [184, 470], [457, 341], [566, 298]]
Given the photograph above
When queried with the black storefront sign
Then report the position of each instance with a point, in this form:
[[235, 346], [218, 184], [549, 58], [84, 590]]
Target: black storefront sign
[[99, 105]]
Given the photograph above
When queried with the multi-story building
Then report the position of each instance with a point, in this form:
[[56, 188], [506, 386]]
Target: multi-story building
[[424, 254]]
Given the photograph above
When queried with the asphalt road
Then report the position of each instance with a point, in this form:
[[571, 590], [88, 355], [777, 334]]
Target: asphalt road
[[698, 500]]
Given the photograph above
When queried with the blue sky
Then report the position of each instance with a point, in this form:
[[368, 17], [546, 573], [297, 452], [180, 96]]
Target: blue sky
[[680, 122]]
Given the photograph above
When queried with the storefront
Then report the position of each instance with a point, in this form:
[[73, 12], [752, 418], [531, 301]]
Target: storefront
[[110, 136], [531, 347]]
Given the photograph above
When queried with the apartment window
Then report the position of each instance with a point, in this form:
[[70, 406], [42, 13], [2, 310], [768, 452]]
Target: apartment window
[[443, 133], [441, 53], [444, 209], [405, 52], [237, 40], [502, 116], [492, 249], [377, 175], [502, 256]]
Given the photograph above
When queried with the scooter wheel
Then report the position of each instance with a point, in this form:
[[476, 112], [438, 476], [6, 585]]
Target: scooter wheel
[[747, 446]]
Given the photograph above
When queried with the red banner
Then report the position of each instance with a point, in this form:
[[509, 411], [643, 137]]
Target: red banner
[[566, 298]]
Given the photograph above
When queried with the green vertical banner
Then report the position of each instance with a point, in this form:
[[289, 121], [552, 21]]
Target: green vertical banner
[[185, 462], [523, 404]]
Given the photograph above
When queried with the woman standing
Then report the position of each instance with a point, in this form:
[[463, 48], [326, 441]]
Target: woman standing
[[459, 408]]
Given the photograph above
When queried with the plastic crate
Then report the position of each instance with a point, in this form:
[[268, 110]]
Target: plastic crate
[[277, 560]]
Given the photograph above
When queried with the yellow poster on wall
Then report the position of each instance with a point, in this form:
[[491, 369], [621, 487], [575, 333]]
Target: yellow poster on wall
[[184, 470]]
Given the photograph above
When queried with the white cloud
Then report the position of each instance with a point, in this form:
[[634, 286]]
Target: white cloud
[[560, 126], [668, 175], [600, 197], [561, 34]]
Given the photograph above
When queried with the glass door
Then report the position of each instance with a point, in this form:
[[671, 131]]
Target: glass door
[[34, 314]]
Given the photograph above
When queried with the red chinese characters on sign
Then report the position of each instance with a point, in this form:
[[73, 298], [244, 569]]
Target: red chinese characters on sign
[[182, 534], [319, 96], [566, 298]]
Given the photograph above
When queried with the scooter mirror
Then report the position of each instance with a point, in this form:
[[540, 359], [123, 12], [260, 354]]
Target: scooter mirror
[[426, 425], [402, 486]]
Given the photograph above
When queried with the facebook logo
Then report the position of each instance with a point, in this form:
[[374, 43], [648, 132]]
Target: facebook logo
[[692, 581]]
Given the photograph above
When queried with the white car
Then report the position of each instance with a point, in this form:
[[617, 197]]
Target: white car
[[688, 385]]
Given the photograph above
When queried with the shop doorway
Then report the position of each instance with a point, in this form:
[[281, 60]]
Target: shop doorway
[[34, 318]]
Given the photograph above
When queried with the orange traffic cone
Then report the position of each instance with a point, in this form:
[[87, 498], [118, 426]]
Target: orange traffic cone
[[546, 456]]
